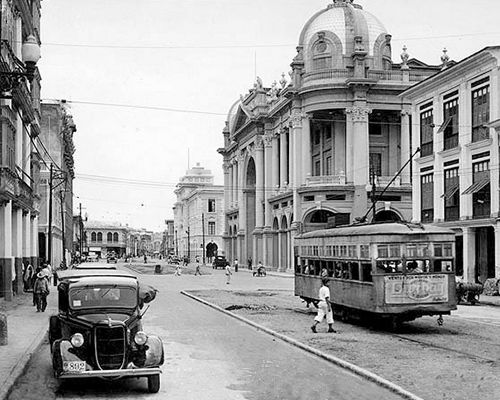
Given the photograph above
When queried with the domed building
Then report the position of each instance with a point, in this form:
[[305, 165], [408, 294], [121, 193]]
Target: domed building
[[314, 151]]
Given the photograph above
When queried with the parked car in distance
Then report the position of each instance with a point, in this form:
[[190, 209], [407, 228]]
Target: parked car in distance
[[98, 330], [219, 262], [111, 258]]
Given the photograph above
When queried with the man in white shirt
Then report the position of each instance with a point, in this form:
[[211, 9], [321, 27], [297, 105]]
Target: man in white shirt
[[324, 308]]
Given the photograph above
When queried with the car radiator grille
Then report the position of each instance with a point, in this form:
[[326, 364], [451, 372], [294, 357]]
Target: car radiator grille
[[110, 346]]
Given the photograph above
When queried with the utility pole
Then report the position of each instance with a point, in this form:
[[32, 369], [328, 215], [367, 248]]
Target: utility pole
[[81, 230], [63, 259], [189, 246], [49, 233], [203, 234]]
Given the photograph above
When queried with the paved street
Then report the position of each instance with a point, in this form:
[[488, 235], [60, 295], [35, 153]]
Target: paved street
[[210, 355]]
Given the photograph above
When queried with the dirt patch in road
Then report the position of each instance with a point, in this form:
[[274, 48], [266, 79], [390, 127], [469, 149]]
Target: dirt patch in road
[[456, 361]]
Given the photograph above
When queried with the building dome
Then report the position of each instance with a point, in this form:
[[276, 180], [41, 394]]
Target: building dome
[[339, 30]]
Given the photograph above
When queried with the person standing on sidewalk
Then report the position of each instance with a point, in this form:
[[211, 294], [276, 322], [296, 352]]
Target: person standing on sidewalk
[[228, 273], [324, 308], [198, 271], [41, 291], [236, 265]]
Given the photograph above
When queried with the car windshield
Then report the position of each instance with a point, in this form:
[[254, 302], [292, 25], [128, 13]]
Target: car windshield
[[102, 297]]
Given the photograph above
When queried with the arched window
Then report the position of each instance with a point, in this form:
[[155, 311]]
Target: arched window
[[99, 237], [93, 237], [322, 54], [115, 237], [109, 237]]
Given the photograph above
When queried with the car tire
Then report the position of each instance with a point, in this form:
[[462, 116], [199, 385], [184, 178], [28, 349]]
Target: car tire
[[154, 383], [54, 330], [57, 363]]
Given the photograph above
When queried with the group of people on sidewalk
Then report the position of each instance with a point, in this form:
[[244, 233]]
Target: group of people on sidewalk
[[38, 281]]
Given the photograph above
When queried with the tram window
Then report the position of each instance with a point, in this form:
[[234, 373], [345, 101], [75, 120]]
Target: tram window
[[364, 250], [443, 266], [315, 251], [352, 251], [383, 250], [354, 270], [335, 251], [338, 269], [411, 250], [345, 270], [328, 251], [395, 250], [366, 271], [330, 268], [343, 251]]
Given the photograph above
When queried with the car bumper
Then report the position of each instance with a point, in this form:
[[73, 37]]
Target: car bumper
[[112, 373]]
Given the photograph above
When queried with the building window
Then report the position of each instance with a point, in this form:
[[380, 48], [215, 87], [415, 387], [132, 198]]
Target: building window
[[322, 57], [480, 113], [211, 205], [426, 133], [427, 197], [115, 237], [211, 228], [99, 236], [451, 195], [109, 237], [450, 124], [480, 189], [93, 237]]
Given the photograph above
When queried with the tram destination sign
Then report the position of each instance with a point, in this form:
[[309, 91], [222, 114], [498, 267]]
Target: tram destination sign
[[412, 289]]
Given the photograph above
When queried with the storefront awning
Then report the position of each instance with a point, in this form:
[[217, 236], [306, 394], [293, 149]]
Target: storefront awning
[[476, 187], [451, 191]]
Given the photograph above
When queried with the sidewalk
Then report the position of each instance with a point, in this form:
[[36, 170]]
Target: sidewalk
[[26, 330]]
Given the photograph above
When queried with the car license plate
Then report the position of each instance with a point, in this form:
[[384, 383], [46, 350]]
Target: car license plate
[[74, 366]]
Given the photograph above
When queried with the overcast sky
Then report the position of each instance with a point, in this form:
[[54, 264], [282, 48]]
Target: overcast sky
[[150, 82]]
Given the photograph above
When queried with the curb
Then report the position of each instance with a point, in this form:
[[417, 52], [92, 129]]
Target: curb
[[22, 364], [337, 361]]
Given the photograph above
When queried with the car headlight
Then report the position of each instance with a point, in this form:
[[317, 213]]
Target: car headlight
[[77, 340], [140, 338]]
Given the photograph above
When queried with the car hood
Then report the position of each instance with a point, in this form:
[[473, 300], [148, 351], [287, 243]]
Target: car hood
[[95, 318]]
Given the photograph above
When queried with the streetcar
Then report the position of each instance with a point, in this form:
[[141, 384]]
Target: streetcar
[[390, 272]]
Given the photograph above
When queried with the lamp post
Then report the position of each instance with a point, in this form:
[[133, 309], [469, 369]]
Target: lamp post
[[9, 80]]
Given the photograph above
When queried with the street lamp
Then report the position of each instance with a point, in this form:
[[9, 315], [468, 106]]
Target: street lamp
[[9, 80]]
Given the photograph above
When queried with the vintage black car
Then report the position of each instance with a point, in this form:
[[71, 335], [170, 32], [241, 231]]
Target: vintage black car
[[98, 330], [219, 262], [111, 258]]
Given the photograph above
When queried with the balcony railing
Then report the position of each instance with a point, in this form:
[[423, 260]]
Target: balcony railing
[[325, 180], [480, 133], [426, 149], [378, 75], [8, 184], [451, 142]]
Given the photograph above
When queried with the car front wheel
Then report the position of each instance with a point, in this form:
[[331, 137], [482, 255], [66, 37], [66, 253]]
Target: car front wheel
[[154, 383]]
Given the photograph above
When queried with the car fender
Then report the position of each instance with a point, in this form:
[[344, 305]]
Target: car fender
[[154, 352], [61, 353]]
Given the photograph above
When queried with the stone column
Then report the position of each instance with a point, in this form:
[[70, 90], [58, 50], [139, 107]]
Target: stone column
[[405, 146], [275, 166], [360, 146], [6, 249], [242, 209], [236, 184], [283, 160], [306, 147], [17, 247], [267, 246], [349, 149], [35, 262], [469, 259], [259, 181], [228, 189]]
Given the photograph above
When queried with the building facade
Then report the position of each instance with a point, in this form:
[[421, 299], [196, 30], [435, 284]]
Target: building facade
[[19, 160], [55, 229], [198, 215], [103, 237], [313, 151], [456, 120]]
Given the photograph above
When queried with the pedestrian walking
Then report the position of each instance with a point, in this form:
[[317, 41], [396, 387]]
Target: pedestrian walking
[[249, 262], [236, 265], [228, 273], [198, 271], [28, 277], [178, 270], [324, 308], [41, 291]]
